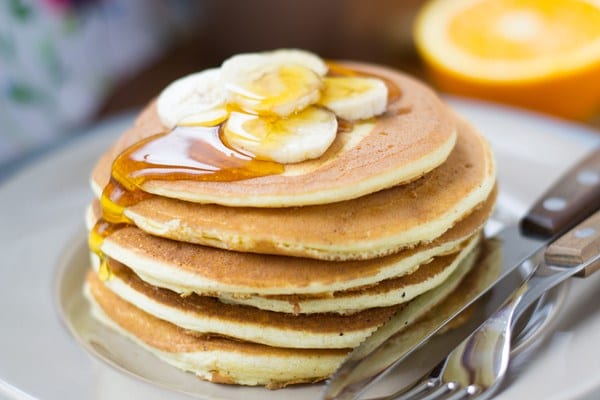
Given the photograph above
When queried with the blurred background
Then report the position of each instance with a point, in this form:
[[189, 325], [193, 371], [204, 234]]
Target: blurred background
[[67, 64]]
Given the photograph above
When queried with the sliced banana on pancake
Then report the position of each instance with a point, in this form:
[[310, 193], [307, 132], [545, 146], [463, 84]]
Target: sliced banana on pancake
[[275, 92], [273, 83], [251, 61], [354, 98], [301, 136], [197, 99]]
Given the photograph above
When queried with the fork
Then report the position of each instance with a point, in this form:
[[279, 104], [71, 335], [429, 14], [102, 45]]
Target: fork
[[477, 366], [470, 369]]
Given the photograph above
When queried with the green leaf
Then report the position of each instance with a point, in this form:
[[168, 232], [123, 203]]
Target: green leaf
[[23, 93]]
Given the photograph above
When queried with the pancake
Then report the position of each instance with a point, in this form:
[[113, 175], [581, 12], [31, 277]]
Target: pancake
[[223, 360], [207, 315], [213, 358], [271, 280], [185, 267], [371, 226], [415, 135], [383, 294], [318, 330]]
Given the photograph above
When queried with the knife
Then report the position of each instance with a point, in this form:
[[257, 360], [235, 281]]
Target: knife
[[570, 200], [481, 361]]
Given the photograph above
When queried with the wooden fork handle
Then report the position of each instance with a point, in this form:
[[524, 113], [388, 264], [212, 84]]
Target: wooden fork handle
[[577, 246]]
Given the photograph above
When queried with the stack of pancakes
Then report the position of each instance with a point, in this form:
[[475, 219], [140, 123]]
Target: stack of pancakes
[[272, 280]]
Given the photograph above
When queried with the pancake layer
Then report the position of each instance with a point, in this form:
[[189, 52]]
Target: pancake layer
[[383, 294], [371, 226], [206, 315], [223, 360], [186, 268], [415, 135], [213, 358]]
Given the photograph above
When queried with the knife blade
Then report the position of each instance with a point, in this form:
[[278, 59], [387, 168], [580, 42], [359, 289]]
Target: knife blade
[[570, 200]]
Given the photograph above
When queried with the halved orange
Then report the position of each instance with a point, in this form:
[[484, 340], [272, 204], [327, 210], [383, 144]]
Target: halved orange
[[540, 54]]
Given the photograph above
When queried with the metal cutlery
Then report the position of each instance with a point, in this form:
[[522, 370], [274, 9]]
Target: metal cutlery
[[477, 367], [571, 199]]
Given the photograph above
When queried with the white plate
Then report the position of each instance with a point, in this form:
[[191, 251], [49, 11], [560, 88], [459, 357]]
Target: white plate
[[41, 209]]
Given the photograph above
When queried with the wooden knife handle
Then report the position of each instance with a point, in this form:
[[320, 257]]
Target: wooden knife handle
[[575, 196], [577, 246]]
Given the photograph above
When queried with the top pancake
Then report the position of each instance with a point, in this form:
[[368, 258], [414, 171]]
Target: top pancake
[[367, 227], [415, 135]]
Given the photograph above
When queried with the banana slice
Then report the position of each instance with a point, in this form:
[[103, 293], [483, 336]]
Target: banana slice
[[274, 83], [354, 98], [302, 136], [196, 99], [300, 57]]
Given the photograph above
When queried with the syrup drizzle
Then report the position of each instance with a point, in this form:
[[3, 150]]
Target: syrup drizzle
[[101, 230], [190, 153], [185, 153]]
